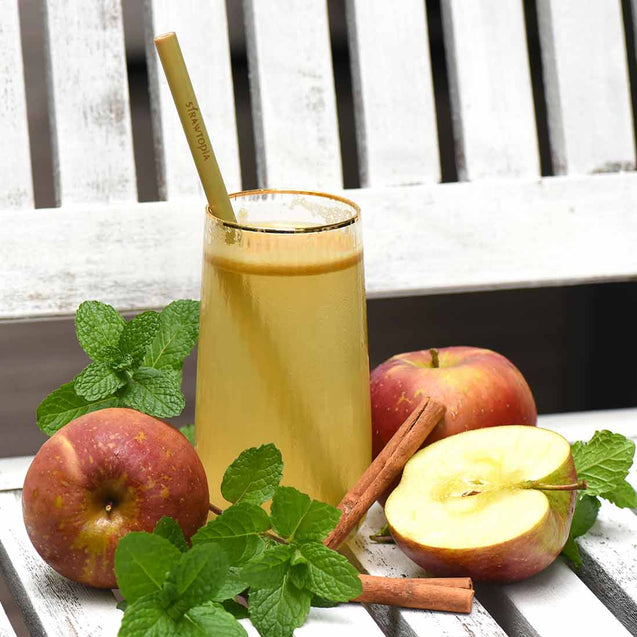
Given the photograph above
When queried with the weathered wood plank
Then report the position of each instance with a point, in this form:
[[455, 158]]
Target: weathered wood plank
[[582, 425], [494, 234], [456, 237], [342, 621], [15, 161], [610, 562], [90, 116], [490, 89], [393, 92], [388, 560], [13, 471], [586, 85], [6, 629], [51, 604], [293, 99], [203, 36], [541, 604]]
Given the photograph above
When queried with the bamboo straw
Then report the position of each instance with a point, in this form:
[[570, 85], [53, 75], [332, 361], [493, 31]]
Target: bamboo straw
[[192, 121]]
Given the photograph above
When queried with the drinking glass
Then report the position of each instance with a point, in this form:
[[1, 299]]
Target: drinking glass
[[282, 351]]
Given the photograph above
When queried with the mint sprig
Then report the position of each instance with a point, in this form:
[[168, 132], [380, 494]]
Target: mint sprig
[[170, 587], [604, 462], [134, 364]]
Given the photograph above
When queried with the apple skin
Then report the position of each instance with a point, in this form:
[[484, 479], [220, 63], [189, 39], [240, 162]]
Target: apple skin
[[479, 387], [511, 561], [144, 468]]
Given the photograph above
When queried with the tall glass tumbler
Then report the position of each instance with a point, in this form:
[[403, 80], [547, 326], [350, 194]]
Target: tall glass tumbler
[[282, 352]]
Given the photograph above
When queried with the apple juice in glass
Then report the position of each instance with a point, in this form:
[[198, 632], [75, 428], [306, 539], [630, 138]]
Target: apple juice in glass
[[282, 352]]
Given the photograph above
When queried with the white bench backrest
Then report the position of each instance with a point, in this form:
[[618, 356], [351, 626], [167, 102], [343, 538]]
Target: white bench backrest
[[101, 243]]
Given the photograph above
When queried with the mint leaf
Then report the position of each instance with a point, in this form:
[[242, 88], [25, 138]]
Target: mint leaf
[[98, 327], [175, 374], [268, 569], [97, 381], [63, 405], [238, 531], [623, 496], [330, 575], [604, 461], [137, 335], [585, 515], [571, 551], [253, 476], [189, 432], [153, 392], [147, 618], [171, 531], [177, 335], [142, 561], [301, 519], [276, 612], [213, 619], [197, 576], [231, 587]]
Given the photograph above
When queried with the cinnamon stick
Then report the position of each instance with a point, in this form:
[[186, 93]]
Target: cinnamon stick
[[420, 593], [385, 468]]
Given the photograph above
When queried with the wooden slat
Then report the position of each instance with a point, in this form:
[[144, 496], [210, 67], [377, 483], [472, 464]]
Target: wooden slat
[[91, 127], [203, 35], [583, 424], [52, 605], [418, 240], [610, 562], [293, 100], [586, 85], [490, 89], [6, 629], [541, 604], [345, 620], [15, 162], [388, 560], [393, 92], [13, 471]]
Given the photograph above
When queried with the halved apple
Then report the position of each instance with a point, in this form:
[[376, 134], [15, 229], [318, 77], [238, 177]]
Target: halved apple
[[494, 504]]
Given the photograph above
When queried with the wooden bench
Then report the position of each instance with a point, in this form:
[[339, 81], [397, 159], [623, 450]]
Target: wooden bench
[[595, 601], [501, 226]]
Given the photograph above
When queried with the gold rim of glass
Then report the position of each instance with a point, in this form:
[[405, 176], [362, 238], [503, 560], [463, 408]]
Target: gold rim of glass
[[356, 211]]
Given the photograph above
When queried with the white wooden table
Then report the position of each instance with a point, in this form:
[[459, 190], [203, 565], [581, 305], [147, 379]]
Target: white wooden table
[[601, 599]]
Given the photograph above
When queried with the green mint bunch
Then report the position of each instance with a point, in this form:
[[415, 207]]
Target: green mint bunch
[[277, 562], [135, 363], [604, 462]]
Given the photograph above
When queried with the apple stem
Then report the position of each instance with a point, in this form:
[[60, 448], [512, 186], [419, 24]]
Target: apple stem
[[109, 507], [435, 362], [540, 486], [575, 486], [214, 508]]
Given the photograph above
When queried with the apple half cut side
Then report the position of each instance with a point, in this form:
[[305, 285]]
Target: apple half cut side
[[493, 504]]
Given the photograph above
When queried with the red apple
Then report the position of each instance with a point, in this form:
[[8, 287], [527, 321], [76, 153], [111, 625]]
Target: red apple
[[479, 387], [101, 476]]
